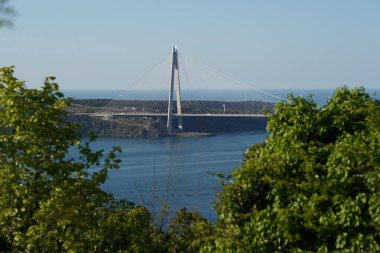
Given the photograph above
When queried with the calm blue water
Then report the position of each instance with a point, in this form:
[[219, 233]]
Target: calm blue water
[[178, 171], [175, 170]]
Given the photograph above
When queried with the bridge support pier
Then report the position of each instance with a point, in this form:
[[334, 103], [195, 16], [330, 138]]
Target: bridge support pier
[[174, 77]]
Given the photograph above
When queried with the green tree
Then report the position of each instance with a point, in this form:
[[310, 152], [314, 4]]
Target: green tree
[[188, 231], [49, 201], [313, 186]]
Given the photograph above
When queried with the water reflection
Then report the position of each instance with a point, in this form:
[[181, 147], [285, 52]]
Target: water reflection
[[175, 170]]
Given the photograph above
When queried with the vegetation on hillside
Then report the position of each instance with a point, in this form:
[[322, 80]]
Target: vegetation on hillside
[[312, 186], [49, 201]]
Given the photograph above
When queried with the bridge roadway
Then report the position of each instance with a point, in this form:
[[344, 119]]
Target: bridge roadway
[[103, 115]]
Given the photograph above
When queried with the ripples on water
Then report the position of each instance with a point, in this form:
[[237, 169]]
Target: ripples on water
[[180, 169]]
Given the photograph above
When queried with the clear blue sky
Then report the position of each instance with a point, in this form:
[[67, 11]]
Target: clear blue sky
[[93, 44]]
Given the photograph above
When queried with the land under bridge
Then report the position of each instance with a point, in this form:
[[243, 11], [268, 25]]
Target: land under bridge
[[215, 103]]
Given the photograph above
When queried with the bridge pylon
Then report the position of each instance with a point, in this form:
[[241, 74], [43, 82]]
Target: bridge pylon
[[174, 80]]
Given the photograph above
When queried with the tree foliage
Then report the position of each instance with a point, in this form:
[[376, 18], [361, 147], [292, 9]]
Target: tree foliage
[[313, 186], [49, 201], [188, 231]]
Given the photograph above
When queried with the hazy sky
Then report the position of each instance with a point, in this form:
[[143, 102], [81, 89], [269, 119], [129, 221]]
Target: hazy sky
[[93, 44]]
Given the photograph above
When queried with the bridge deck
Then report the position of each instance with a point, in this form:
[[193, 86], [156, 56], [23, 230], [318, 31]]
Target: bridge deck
[[174, 115]]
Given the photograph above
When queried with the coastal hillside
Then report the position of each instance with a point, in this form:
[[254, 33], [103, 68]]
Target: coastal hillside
[[80, 111]]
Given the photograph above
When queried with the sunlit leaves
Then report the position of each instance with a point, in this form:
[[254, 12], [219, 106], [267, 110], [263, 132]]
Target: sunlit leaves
[[313, 185], [49, 201]]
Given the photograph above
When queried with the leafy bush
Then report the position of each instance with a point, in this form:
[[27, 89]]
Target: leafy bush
[[313, 186], [189, 231], [49, 201]]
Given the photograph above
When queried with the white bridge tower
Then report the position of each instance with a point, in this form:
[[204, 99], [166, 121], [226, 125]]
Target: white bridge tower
[[175, 80]]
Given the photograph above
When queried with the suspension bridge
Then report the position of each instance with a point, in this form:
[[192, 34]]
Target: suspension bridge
[[212, 95]]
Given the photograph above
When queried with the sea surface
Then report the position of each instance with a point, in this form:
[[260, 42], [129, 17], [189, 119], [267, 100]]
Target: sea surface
[[173, 170], [178, 171]]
